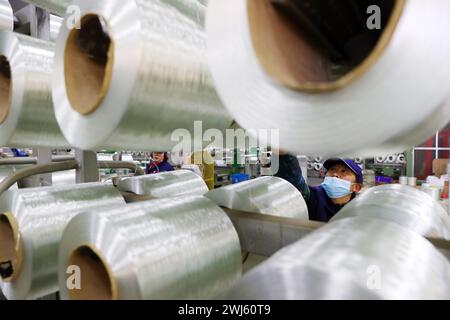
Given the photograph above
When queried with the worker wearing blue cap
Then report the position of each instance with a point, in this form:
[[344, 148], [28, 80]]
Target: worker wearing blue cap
[[343, 181]]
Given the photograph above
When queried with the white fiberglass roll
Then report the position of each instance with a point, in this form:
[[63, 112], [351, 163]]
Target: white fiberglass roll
[[354, 258], [401, 159], [270, 76], [26, 106], [266, 195], [403, 180], [180, 248], [406, 206], [108, 96], [165, 184], [318, 166], [55, 26], [194, 9], [6, 16], [31, 225], [64, 178], [391, 158], [380, 159], [412, 181]]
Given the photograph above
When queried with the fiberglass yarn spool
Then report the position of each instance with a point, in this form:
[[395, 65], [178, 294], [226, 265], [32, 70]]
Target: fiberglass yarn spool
[[259, 59], [401, 158], [180, 248], [6, 16], [31, 225], [403, 180], [318, 166], [64, 178], [108, 96], [194, 9], [391, 158], [55, 26], [341, 261], [406, 206], [165, 184], [266, 195], [26, 106]]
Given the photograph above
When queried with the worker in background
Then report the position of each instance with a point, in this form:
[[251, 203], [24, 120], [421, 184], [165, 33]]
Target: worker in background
[[159, 163], [342, 183]]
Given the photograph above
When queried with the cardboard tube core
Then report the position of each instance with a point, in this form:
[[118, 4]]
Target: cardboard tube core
[[294, 51], [10, 249], [96, 282], [5, 88], [88, 64]]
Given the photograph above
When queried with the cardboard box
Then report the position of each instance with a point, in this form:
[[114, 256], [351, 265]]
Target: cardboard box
[[440, 166]]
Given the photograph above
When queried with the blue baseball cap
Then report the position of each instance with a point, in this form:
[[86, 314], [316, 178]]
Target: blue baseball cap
[[349, 164]]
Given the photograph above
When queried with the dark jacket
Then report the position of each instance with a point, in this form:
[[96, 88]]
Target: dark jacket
[[154, 167], [320, 206]]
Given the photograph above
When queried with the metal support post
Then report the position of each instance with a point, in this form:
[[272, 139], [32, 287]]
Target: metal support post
[[88, 168]]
